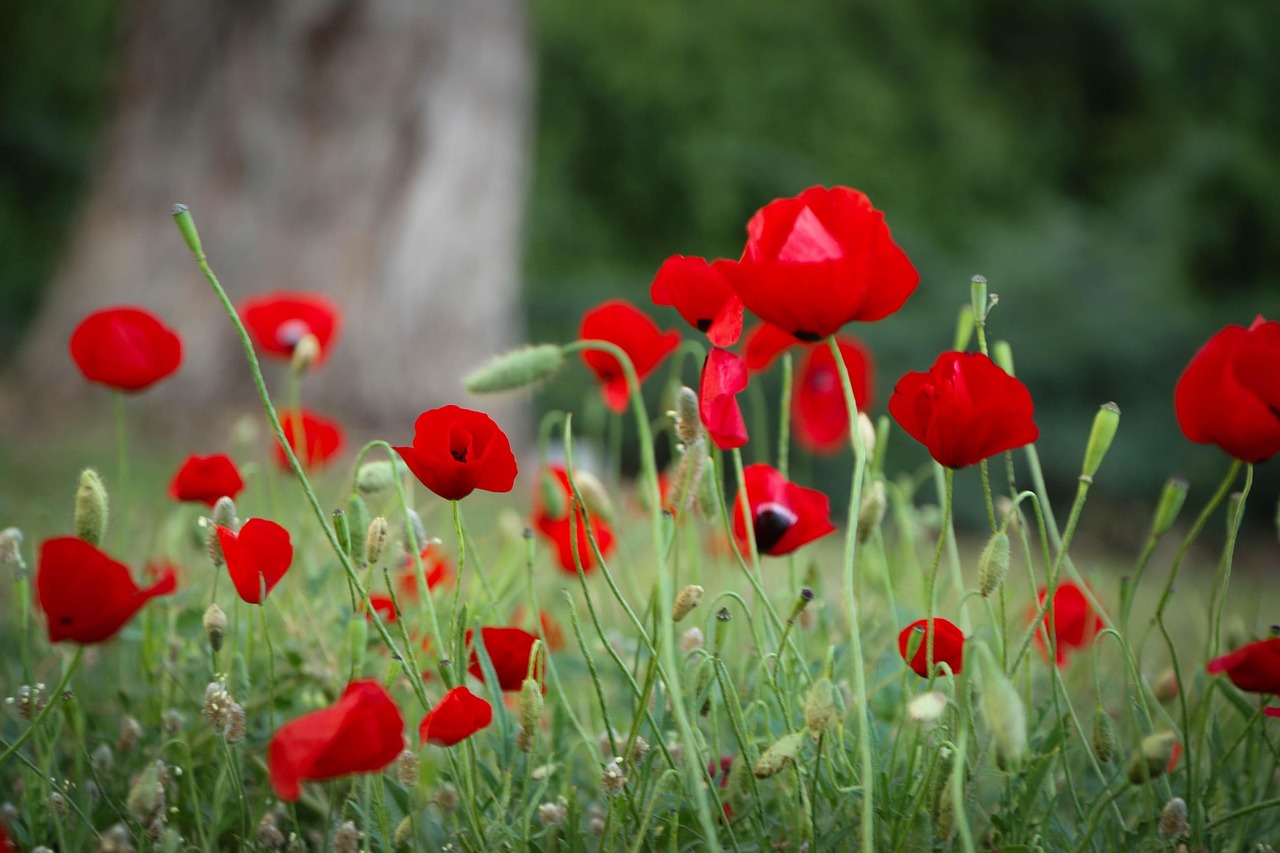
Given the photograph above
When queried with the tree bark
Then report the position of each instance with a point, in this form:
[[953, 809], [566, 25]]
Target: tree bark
[[373, 150]]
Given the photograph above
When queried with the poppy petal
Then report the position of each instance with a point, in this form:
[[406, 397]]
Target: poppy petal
[[456, 717], [630, 329], [724, 376], [257, 557], [125, 348], [86, 596]]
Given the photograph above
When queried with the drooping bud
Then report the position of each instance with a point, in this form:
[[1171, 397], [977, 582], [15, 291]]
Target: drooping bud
[[1105, 424], [686, 601], [993, 563], [516, 369], [871, 511], [91, 508], [1165, 688], [1173, 822], [375, 477], [927, 708], [1105, 738], [530, 705], [1002, 354], [783, 751], [305, 353], [375, 541], [1002, 707], [819, 706], [1172, 496], [1007, 513], [357, 519], [594, 496], [688, 422], [1153, 757], [215, 626]]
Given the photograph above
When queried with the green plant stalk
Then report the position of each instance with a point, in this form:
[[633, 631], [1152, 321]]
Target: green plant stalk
[[1224, 569], [122, 450], [784, 417], [931, 597]]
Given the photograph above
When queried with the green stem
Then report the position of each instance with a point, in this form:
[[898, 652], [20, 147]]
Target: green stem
[[122, 448], [55, 698]]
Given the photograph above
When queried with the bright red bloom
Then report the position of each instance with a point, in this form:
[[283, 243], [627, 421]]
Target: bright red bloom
[[724, 377], [1254, 668], [621, 323], [1229, 395], [557, 529], [1074, 622], [434, 565], [321, 438], [456, 451], [362, 733], [703, 296], [948, 645], [257, 557], [456, 717], [817, 261], [965, 409], [125, 348], [86, 595], [279, 320], [784, 516], [509, 650], [821, 417], [765, 342], [205, 479]]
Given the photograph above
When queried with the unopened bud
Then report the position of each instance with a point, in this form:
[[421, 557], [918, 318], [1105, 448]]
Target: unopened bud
[[686, 601], [223, 515], [871, 512], [215, 626], [688, 421], [1007, 512], [819, 706], [594, 496], [927, 708], [342, 529], [305, 353], [1165, 688], [357, 640], [516, 369], [1105, 737], [357, 520], [708, 497], [1002, 707], [783, 751], [993, 563], [375, 477], [1173, 822], [418, 529], [375, 541], [91, 508], [1105, 424], [1172, 496], [1152, 757], [530, 705]]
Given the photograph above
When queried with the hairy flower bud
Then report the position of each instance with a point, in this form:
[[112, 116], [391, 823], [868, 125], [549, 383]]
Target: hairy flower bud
[[1002, 707], [686, 601], [375, 540], [868, 431], [530, 705], [91, 508], [407, 768], [1165, 688], [612, 779], [342, 529], [993, 563], [782, 752], [1105, 424], [691, 639], [1105, 738], [927, 708], [516, 369], [687, 477], [375, 477], [215, 626], [689, 426], [819, 707], [1153, 757], [594, 496], [11, 547]]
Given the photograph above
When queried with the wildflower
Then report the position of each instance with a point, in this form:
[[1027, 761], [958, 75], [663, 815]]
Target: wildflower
[[948, 645], [612, 779], [630, 329], [456, 451], [784, 516], [509, 650], [1229, 395], [125, 348], [821, 416], [557, 528], [205, 479], [279, 321], [1156, 755], [1173, 822], [383, 605], [724, 376], [765, 342], [257, 557], [407, 767], [347, 838], [964, 409], [1254, 668], [321, 438], [1074, 622], [362, 732], [552, 814], [702, 294], [11, 548], [456, 717], [86, 595]]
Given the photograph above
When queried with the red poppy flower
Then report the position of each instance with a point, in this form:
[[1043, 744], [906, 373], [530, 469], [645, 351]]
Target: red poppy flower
[[765, 342], [509, 650], [456, 717], [362, 733], [125, 348], [456, 451], [821, 417], [257, 557], [1254, 668], [703, 296], [965, 409], [817, 261], [1229, 395], [1074, 622], [437, 569], [86, 595], [321, 439], [948, 645], [557, 529], [621, 323], [279, 320], [724, 376], [381, 603], [205, 479], [784, 516]]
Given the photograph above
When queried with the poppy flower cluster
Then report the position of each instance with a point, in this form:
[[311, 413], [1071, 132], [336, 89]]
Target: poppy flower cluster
[[257, 557], [1074, 621], [948, 645], [86, 596], [205, 479], [456, 451], [279, 321], [784, 516], [631, 330], [551, 518], [321, 438], [125, 348]]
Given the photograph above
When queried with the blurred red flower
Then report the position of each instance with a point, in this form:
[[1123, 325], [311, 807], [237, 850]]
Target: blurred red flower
[[125, 348], [631, 330], [381, 603], [456, 451], [964, 409], [205, 479], [321, 439], [765, 342], [821, 417], [703, 296], [1254, 668], [784, 516], [724, 376], [948, 645], [362, 733], [87, 596], [1074, 621], [434, 565], [554, 634], [257, 557], [509, 650], [277, 321], [819, 260], [555, 524], [1229, 395], [456, 717]]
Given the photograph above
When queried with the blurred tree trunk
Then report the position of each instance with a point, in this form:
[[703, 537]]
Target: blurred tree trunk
[[374, 150]]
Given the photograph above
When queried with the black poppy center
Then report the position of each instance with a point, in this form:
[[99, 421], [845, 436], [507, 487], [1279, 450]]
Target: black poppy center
[[703, 324], [806, 336], [459, 445], [771, 523]]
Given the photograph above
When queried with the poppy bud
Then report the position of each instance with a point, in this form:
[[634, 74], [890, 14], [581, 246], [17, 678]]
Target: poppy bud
[[1003, 709], [374, 477], [419, 531], [91, 508], [1002, 354], [342, 528], [516, 369], [927, 708], [11, 547], [1105, 424], [688, 422], [964, 328], [594, 496], [1007, 512], [686, 601], [1105, 737], [819, 706], [223, 515], [305, 353], [357, 640], [215, 626], [783, 751], [375, 541], [357, 519], [1172, 496], [187, 227], [1173, 820], [708, 497], [871, 512], [1152, 757], [530, 705], [993, 563]]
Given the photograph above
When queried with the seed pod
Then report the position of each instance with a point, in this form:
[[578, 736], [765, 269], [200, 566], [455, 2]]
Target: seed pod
[[927, 708], [516, 369], [686, 601], [91, 508], [783, 751], [993, 563]]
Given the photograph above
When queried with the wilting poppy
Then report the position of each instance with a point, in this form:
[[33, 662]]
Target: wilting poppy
[[703, 296], [553, 523], [1074, 622], [257, 557], [765, 342], [321, 439], [948, 645], [724, 376], [362, 733], [278, 321], [456, 717], [821, 417], [87, 596], [509, 650], [205, 479], [125, 348], [964, 409], [1229, 395], [631, 330], [784, 516], [456, 451], [1254, 668], [434, 565], [819, 260]]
